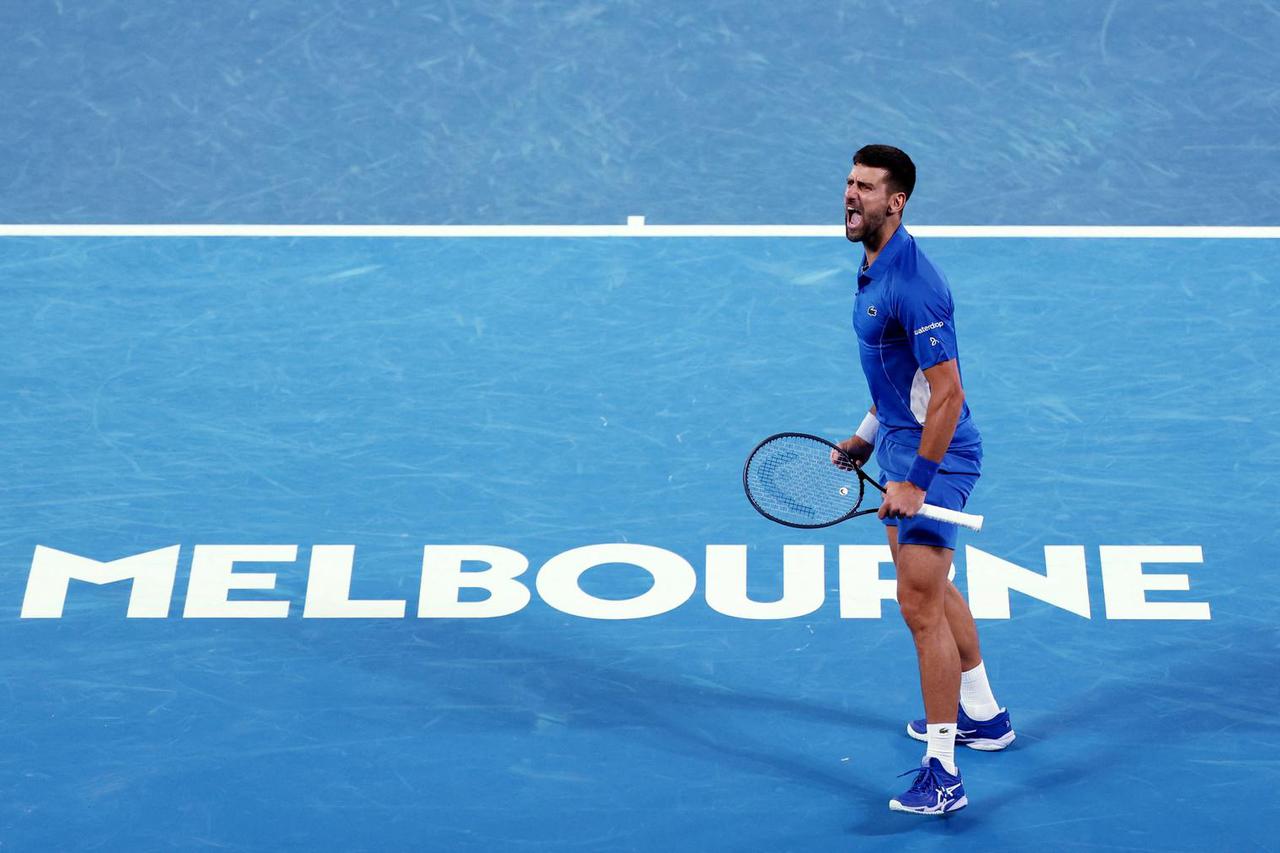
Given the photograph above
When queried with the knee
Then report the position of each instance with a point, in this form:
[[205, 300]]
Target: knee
[[922, 611]]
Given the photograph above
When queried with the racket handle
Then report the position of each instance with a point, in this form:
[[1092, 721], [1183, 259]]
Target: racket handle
[[951, 516]]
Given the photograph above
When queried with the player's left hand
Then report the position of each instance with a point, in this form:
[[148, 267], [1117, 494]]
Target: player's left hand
[[901, 500]]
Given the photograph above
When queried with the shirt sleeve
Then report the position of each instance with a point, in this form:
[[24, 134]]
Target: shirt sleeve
[[925, 310]]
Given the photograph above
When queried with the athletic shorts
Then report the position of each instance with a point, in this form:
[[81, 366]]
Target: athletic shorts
[[950, 488]]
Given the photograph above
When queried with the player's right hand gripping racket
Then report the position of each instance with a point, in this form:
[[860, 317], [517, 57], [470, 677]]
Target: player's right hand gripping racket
[[790, 478]]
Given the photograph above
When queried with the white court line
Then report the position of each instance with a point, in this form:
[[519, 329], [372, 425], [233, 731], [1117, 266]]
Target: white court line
[[636, 227]]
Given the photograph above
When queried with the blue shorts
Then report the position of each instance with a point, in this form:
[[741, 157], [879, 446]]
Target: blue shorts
[[950, 488]]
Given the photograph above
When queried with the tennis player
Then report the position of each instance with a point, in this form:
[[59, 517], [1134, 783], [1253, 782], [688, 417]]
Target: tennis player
[[927, 447]]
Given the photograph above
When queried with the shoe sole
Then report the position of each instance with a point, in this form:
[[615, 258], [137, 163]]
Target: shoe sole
[[895, 806], [982, 744]]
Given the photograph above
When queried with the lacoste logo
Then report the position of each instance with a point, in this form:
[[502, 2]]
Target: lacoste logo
[[944, 731], [871, 311]]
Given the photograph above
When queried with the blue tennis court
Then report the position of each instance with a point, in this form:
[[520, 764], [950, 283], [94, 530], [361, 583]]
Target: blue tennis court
[[211, 418]]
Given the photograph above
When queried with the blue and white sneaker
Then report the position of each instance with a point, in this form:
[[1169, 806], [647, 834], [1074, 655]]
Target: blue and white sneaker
[[935, 791], [987, 735]]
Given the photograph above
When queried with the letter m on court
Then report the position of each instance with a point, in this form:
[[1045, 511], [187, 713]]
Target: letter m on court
[[52, 571]]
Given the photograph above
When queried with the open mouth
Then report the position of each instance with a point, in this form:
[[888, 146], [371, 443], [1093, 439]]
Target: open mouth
[[852, 217]]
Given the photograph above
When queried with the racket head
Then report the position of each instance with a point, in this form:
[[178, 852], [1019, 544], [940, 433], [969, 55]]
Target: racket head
[[789, 478]]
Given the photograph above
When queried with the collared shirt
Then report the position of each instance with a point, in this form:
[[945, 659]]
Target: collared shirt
[[903, 319]]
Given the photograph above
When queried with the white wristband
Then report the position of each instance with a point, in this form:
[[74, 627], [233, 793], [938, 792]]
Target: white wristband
[[867, 429]]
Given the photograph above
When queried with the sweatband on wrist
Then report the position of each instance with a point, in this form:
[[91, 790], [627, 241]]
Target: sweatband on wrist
[[867, 429], [921, 472]]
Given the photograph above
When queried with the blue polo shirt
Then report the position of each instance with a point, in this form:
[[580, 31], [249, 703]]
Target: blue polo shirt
[[903, 319]]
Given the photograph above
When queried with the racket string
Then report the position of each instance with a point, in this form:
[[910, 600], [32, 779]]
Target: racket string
[[792, 479]]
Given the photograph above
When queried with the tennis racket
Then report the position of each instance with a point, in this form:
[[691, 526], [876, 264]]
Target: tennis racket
[[790, 478]]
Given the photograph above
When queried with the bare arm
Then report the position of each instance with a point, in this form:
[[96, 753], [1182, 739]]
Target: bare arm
[[946, 402]]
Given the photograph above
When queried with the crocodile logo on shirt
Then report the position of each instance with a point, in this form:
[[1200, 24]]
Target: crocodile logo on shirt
[[871, 311]]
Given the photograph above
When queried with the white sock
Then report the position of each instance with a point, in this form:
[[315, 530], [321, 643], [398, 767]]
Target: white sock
[[975, 694], [942, 744]]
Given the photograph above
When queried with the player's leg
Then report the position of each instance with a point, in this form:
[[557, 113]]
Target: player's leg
[[963, 628], [981, 722], [922, 596], [964, 631], [920, 608]]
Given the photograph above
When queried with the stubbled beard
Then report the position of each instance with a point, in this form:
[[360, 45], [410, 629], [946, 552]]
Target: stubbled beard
[[865, 230]]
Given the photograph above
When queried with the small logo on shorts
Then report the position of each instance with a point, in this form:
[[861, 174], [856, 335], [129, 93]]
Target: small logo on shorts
[[933, 342], [871, 311]]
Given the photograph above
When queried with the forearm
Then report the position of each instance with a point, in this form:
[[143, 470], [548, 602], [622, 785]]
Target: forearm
[[940, 423]]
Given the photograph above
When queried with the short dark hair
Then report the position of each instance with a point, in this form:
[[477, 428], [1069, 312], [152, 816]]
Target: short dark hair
[[902, 172]]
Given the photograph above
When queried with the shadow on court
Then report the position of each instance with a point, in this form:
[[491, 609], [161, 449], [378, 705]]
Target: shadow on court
[[524, 689]]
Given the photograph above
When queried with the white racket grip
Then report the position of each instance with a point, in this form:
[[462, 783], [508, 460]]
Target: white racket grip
[[951, 516]]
